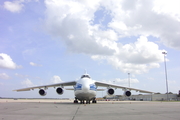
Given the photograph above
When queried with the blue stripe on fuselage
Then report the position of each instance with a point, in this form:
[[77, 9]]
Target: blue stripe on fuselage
[[93, 87], [78, 87]]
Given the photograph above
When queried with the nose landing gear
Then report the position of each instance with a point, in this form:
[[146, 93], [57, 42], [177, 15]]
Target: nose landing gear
[[82, 102], [87, 101], [75, 101]]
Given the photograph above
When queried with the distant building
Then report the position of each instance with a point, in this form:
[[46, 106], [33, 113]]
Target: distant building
[[146, 97]]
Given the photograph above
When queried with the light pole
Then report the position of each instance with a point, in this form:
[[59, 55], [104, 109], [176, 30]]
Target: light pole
[[166, 73], [129, 79]]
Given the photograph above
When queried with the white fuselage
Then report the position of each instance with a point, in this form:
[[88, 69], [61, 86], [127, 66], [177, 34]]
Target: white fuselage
[[85, 89]]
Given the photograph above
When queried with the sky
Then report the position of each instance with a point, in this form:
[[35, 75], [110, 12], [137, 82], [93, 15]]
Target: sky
[[50, 41]]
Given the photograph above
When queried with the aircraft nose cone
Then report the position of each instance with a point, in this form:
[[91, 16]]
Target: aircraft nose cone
[[85, 88]]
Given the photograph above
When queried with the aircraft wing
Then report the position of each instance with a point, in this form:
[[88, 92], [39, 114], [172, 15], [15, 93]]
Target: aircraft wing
[[72, 83], [102, 84]]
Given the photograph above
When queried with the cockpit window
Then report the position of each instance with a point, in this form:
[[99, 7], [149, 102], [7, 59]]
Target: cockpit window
[[83, 76]]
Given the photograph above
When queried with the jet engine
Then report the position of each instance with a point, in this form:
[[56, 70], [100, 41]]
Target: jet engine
[[110, 91], [127, 93], [59, 91], [42, 92]]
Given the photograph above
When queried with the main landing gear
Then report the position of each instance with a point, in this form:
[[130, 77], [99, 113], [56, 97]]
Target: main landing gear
[[87, 101], [94, 100]]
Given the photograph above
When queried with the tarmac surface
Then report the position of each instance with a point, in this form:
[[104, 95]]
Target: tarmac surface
[[107, 110]]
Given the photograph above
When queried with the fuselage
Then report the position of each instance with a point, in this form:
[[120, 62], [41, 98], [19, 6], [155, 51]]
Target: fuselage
[[85, 89]]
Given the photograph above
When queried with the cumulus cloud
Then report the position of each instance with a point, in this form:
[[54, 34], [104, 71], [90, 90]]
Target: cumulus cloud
[[56, 79], [76, 26], [73, 26], [167, 7], [14, 6], [34, 64], [7, 62], [135, 57], [27, 83], [4, 76], [149, 18]]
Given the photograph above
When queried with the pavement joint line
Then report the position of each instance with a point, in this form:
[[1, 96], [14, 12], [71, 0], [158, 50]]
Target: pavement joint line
[[75, 113]]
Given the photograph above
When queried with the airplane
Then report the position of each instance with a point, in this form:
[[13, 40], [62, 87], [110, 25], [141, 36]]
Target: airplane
[[84, 89]]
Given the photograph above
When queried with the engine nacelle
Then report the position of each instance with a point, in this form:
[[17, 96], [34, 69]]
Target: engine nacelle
[[59, 91], [42, 92], [127, 93], [110, 91]]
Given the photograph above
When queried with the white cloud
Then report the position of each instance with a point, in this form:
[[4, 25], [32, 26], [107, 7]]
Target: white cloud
[[34, 64], [4, 76], [150, 18], [168, 7], [74, 25], [135, 57], [15, 6], [7, 62], [27, 83], [56, 79]]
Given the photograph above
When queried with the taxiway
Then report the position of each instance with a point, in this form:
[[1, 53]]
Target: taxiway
[[66, 110]]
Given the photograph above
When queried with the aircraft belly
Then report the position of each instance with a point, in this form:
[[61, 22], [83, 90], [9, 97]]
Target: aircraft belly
[[85, 95]]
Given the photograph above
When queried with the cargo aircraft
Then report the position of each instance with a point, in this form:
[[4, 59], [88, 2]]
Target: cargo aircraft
[[84, 89]]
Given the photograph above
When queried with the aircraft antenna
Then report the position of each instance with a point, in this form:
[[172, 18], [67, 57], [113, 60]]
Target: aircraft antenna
[[85, 71]]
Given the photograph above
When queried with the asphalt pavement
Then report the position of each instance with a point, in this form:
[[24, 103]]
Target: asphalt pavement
[[108, 110]]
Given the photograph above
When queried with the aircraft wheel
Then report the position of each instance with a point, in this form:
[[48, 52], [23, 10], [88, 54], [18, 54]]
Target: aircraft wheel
[[88, 102], [94, 101], [75, 101]]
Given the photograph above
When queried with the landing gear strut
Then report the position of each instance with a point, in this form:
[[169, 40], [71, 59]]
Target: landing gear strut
[[85, 102], [82, 101], [88, 102], [75, 101], [94, 100]]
